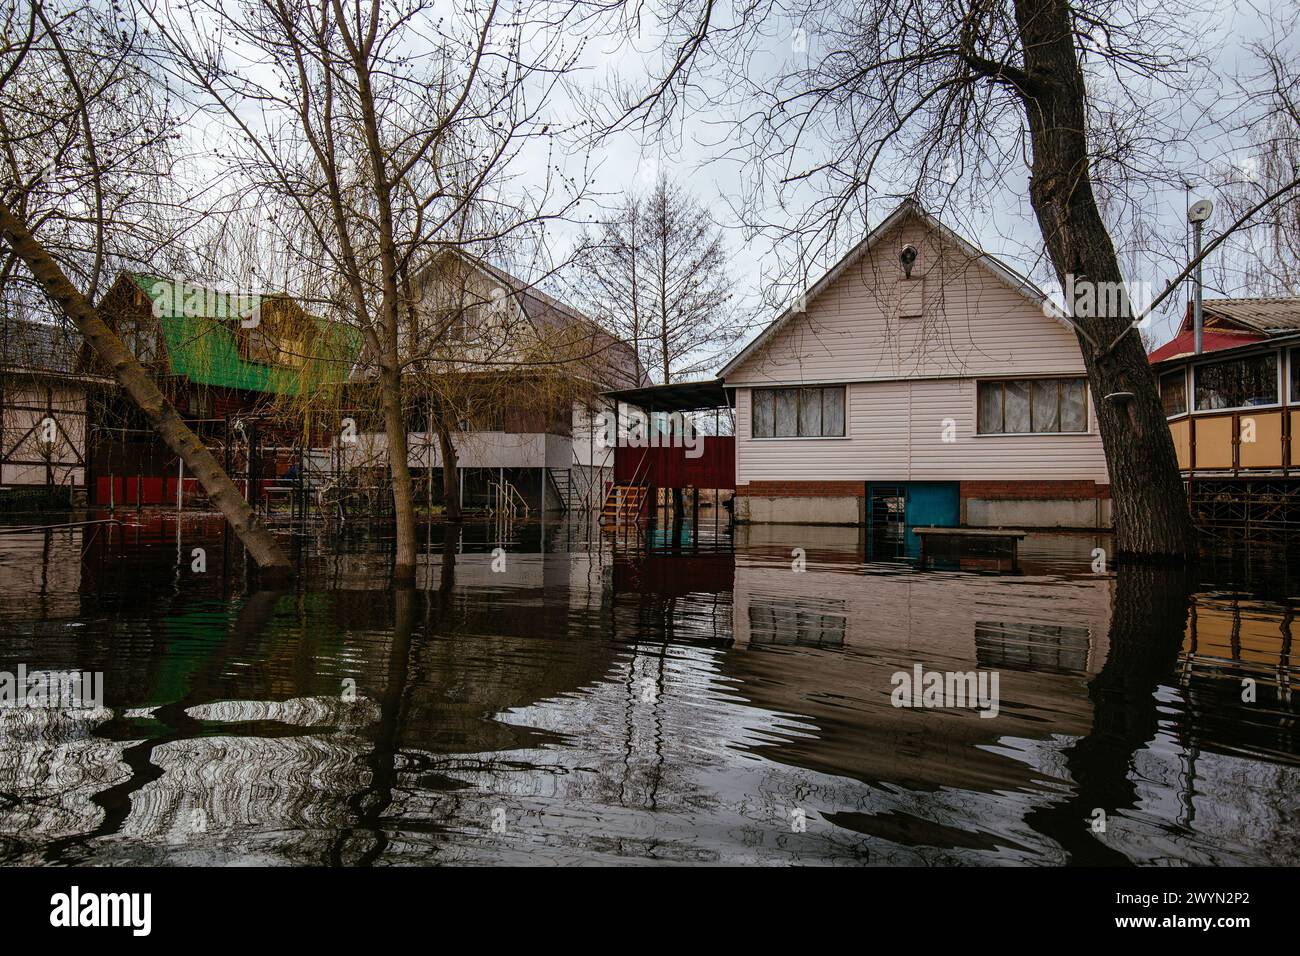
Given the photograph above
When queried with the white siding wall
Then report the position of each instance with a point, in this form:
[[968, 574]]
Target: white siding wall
[[973, 324], [589, 441], [895, 433], [910, 374], [473, 450]]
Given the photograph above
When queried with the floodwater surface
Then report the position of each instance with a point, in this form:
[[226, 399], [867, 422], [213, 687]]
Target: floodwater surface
[[559, 698]]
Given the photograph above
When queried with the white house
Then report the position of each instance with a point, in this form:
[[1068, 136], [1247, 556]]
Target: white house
[[526, 369], [920, 381]]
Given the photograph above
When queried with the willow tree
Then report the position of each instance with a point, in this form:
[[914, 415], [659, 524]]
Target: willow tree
[[85, 137], [378, 132]]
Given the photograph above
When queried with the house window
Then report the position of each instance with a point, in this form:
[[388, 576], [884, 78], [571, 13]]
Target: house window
[[1295, 376], [798, 412], [1022, 406], [140, 336], [1236, 383], [1173, 392]]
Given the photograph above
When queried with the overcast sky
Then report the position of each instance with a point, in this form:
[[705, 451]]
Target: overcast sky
[[696, 156], [699, 152]]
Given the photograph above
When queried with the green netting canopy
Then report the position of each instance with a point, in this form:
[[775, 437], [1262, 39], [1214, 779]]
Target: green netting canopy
[[200, 328]]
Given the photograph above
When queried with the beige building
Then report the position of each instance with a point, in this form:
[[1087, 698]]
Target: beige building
[[921, 381], [44, 413]]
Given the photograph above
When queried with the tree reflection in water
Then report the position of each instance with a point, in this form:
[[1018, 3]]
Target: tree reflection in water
[[676, 705]]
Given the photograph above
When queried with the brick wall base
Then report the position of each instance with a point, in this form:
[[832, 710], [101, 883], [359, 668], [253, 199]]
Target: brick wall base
[[1057, 490]]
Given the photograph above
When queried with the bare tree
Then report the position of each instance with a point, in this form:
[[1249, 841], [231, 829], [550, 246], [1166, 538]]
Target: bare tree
[[886, 99], [1264, 256], [84, 139], [384, 133], [656, 274]]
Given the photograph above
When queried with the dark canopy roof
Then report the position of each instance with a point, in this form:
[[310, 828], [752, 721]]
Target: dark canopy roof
[[676, 397]]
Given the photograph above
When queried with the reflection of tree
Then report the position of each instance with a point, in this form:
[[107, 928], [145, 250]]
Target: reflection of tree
[[371, 804], [1148, 623], [116, 801]]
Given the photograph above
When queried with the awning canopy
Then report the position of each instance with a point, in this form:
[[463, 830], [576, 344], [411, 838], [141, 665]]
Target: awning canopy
[[676, 397]]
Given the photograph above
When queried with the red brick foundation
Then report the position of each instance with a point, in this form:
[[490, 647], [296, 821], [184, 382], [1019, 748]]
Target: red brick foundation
[[1069, 490], [1059, 490]]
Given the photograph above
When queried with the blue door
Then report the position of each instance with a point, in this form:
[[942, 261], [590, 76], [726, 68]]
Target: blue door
[[895, 508], [931, 504]]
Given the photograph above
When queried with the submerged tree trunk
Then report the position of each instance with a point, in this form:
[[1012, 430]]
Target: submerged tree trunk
[[221, 491], [450, 498], [399, 467], [1150, 506]]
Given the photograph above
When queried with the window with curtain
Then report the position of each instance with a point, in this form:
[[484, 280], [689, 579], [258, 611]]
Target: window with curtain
[[1022, 406], [1236, 383], [1173, 392], [816, 412]]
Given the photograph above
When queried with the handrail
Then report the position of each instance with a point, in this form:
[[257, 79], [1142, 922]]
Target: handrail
[[645, 456], [26, 529], [507, 496]]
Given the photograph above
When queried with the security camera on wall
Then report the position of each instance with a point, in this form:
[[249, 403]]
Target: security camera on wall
[[907, 257]]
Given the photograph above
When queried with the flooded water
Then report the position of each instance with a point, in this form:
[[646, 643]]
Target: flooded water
[[553, 699]]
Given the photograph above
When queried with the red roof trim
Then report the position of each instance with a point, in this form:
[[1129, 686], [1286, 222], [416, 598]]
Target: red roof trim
[[1212, 340]]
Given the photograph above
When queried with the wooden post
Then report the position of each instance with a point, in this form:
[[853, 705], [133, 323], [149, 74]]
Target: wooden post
[[695, 515]]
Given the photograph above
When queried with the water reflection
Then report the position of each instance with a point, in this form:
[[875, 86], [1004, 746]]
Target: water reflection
[[549, 698]]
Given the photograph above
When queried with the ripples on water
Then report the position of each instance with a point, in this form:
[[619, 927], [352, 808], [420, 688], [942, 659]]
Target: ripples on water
[[681, 706]]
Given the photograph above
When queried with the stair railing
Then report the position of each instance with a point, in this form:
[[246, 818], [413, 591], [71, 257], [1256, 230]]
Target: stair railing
[[637, 478]]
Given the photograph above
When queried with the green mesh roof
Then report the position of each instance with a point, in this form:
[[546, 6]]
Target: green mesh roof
[[203, 347]]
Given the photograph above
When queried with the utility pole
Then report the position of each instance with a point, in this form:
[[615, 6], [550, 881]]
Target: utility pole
[[1196, 215]]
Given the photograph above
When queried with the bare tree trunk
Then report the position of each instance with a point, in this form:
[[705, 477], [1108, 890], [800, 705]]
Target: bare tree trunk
[[1150, 505], [450, 500], [162, 415], [399, 467]]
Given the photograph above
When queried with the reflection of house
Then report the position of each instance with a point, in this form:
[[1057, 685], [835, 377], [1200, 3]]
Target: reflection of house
[[935, 390], [237, 368], [1234, 408], [521, 372], [45, 404], [1044, 636]]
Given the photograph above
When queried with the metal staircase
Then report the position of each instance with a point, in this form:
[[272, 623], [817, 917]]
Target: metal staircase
[[624, 503], [626, 499], [561, 481]]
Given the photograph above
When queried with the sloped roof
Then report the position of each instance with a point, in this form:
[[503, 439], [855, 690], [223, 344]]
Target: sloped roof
[[907, 208], [611, 362], [203, 347], [1212, 340], [40, 347], [1270, 316]]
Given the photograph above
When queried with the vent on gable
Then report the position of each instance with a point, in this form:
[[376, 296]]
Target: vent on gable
[[911, 298]]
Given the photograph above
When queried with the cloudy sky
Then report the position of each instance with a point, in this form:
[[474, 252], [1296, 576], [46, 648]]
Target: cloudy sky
[[1199, 124], [699, 152]]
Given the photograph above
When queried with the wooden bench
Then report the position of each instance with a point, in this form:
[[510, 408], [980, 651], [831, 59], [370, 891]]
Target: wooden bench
[[1012, 536]]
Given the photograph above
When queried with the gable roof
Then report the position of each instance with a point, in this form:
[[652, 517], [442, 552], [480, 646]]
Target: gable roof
[[908, 208], [203, 347], [612, 362]]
